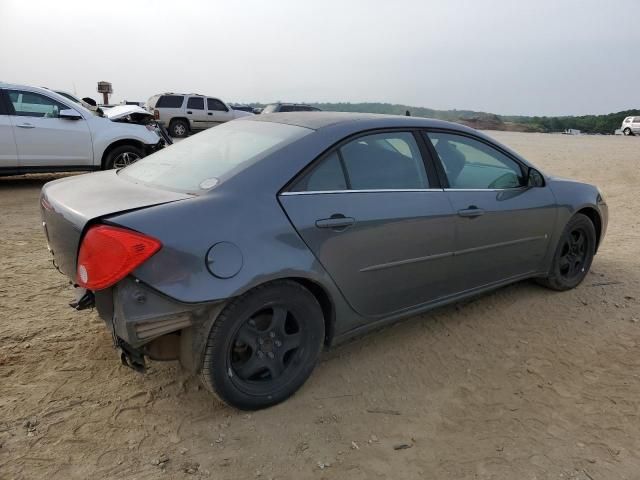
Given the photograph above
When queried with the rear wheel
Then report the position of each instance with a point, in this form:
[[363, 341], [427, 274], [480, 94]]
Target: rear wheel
[[122, 156], [573, 256], [179, 128], [263, 346], [627, 131]]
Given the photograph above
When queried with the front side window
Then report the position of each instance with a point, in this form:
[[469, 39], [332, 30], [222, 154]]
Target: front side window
[[217, 105], [382, 161], [29, 104], [471, 164], [287, 108], [196, 103]]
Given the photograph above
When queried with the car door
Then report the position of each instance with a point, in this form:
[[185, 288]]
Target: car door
[[503, 226], [196, 113], [43, 139], [379, 225], [217, 112], [8, 150], [635, 126]]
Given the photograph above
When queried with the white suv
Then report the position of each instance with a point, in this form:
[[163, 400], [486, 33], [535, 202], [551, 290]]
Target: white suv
[[631, 126], [183, 113], [42, 131]]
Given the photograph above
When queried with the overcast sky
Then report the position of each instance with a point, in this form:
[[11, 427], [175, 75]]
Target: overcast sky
[[509, 57]]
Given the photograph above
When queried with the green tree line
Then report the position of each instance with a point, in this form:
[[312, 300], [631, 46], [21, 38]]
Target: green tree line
[[604, 124]]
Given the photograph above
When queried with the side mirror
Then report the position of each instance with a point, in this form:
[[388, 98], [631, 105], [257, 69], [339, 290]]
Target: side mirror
[[69, 114], [534, 178]]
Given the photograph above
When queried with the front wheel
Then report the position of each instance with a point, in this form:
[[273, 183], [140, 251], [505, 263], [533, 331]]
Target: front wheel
[[627, 131], [263, 346], [573, 256], [122, 156]]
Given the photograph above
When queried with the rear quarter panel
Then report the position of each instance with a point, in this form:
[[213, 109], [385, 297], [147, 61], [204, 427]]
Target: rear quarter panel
[[271, 249]]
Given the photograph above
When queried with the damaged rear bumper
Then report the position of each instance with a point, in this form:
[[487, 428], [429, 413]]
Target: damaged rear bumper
[[144, 323]]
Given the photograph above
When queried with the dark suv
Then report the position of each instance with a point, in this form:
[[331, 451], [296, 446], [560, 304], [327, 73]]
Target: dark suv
[[288, 107]]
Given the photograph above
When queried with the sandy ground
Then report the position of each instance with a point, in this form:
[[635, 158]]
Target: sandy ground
[[524, 383]]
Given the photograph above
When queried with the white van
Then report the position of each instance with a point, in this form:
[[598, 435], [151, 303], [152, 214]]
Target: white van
[[631, 126]]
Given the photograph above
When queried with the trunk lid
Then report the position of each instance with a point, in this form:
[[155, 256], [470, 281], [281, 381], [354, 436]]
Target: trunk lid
[[69, 204]]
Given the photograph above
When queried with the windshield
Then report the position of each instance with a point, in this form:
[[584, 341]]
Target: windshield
[[69, 97], [202, 161], [270, 108]]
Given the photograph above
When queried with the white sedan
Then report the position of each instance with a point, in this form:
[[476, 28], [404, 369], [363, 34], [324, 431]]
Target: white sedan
[[42, 131]]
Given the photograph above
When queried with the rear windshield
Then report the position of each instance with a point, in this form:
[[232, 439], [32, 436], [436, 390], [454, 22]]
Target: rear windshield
[[202, 161]]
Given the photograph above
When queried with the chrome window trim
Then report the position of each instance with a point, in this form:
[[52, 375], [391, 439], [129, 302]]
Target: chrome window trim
[[485, 189], [381, 190]]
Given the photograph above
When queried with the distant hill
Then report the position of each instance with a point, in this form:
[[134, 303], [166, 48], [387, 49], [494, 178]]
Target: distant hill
[[605, 124]]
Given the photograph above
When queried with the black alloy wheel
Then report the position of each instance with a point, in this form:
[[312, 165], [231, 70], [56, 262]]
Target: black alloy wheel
[[264, 345], [573, 256]]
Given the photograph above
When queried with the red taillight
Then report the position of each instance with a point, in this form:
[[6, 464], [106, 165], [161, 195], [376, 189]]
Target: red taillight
[[108, 254], [156, 114]]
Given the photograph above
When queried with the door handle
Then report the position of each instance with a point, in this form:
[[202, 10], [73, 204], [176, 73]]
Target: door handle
[[471, 212], [26, 125], [335, 222], [209, 113], [189, 112]]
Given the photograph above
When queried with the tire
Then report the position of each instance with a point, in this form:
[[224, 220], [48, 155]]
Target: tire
[[573, 256], [627, 131], [122, 156], [179, 128], [263, 346]]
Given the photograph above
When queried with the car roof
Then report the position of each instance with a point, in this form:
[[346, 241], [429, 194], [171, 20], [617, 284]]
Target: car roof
[[319, 120], [47, 91], [13, 85]]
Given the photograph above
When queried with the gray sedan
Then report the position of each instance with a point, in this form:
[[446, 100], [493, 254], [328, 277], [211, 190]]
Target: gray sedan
[[246, 249]]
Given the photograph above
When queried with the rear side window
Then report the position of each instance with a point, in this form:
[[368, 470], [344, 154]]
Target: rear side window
[[328, 175], [196, 103], [170, 101], [383, 161], [215, 104]]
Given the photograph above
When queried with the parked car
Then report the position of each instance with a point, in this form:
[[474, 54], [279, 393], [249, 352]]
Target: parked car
[[42, 131], [631, 126], [288, 107], [185, 113], [243, 108], [244, 250]]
